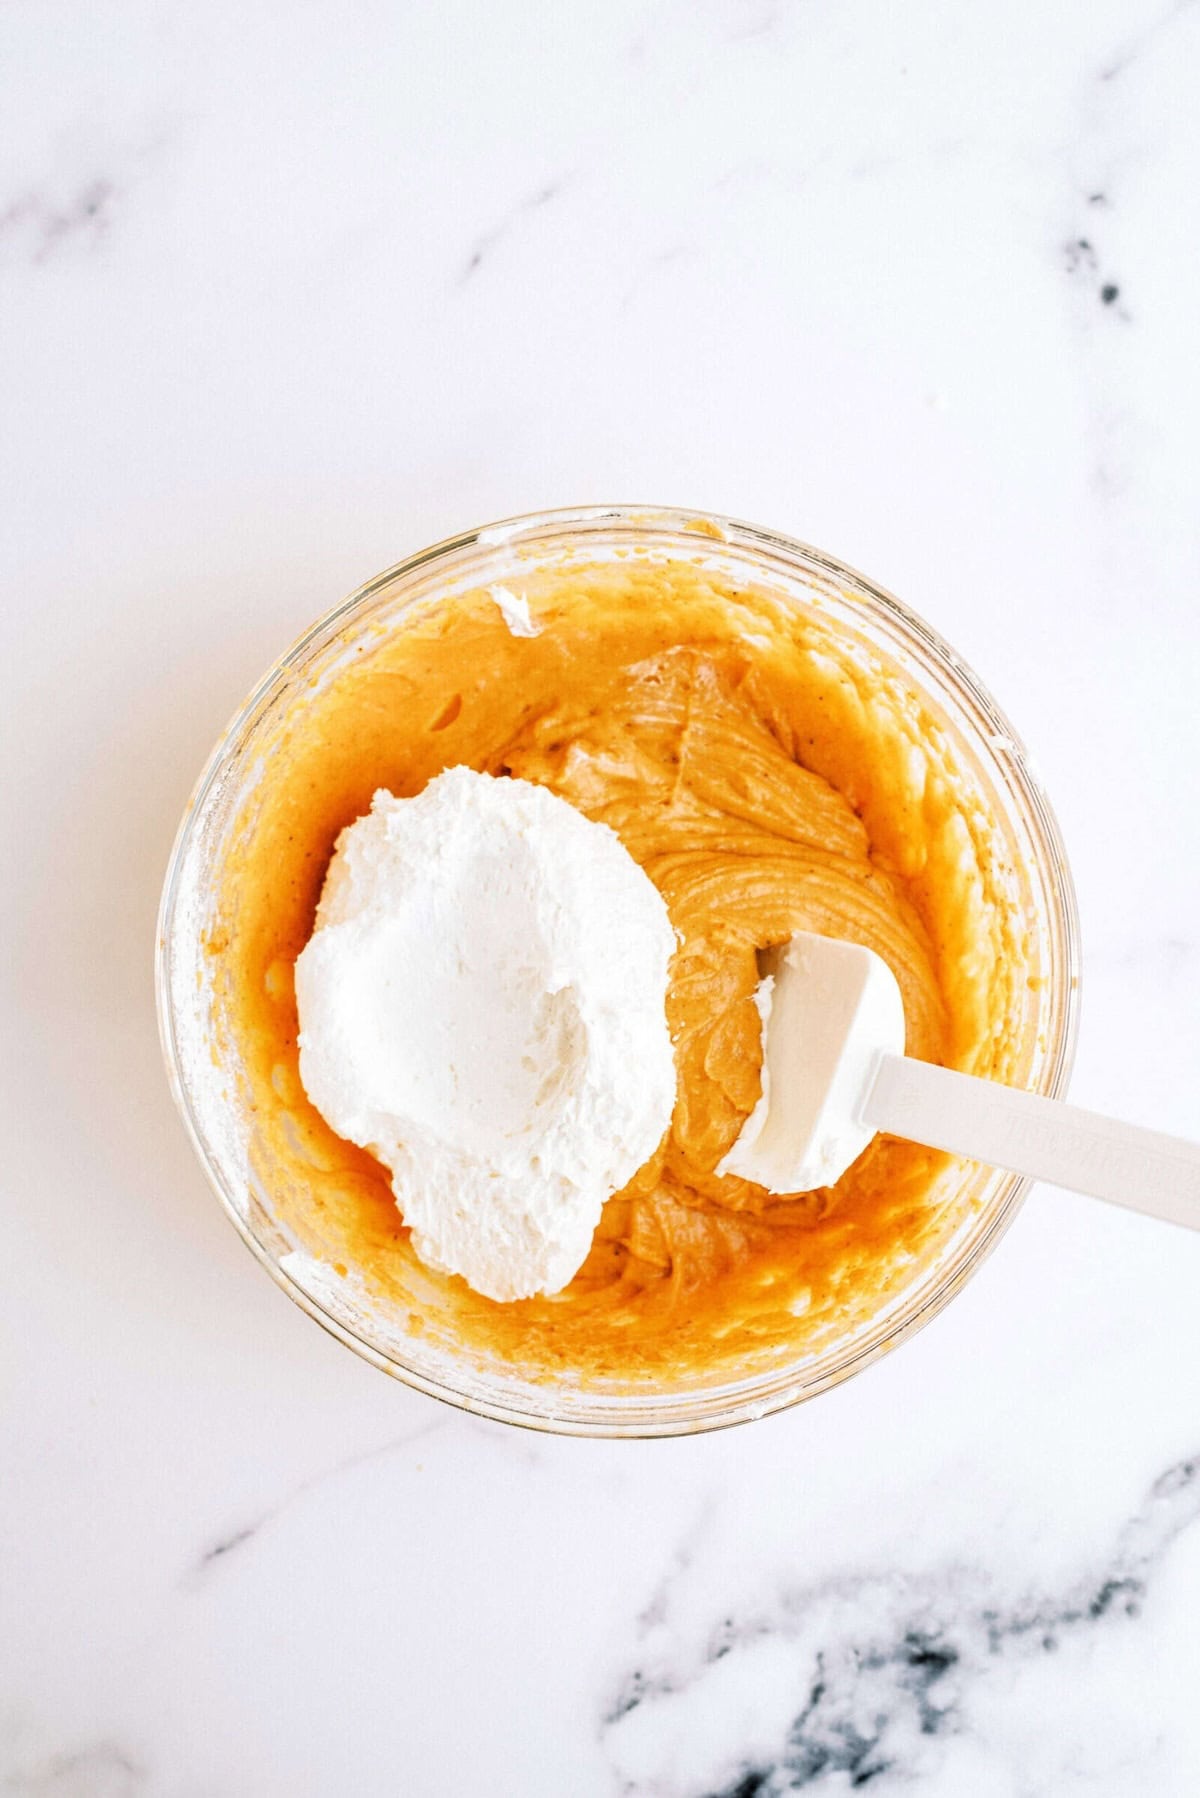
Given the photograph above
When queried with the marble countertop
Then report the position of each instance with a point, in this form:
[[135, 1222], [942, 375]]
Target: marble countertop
[[288, 291]]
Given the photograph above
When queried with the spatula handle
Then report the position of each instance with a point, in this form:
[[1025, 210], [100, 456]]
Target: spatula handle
[[1140, 1169]]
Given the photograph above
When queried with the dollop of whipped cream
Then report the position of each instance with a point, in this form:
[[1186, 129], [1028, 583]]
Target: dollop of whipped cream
[[482, 1006]]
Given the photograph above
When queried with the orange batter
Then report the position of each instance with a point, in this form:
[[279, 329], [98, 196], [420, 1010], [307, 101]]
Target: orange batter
[[770, 775]]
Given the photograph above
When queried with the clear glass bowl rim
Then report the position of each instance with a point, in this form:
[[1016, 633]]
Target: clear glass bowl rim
[[685, 1413]]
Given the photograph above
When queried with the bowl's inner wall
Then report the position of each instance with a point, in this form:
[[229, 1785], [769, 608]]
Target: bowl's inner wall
[[949, 729]]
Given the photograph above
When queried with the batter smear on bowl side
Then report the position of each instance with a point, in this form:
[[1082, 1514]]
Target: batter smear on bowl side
[[770, 772]]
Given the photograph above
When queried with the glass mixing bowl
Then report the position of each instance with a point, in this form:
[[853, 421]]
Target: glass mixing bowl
[[973, 733]]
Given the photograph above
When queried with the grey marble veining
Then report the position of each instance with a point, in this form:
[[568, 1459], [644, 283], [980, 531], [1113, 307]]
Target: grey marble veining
[[38, 226], [213, 1558], [882, 1668]]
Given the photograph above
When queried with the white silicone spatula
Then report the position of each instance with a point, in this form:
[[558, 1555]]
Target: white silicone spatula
[[835, 1072]]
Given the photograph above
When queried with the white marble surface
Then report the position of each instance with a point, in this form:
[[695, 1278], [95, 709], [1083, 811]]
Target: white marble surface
[[288, 291]]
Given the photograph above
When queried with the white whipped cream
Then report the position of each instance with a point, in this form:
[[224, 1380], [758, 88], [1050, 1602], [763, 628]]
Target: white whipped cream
[[514, 609], [482, 1006]]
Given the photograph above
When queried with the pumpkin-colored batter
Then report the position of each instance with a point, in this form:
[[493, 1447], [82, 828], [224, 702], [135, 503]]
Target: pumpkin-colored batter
[[771, 773]]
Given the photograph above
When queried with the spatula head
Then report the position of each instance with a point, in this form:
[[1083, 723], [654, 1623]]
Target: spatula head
[[829, 1011]]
